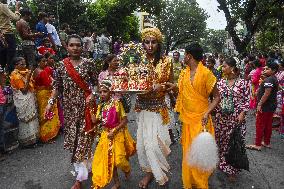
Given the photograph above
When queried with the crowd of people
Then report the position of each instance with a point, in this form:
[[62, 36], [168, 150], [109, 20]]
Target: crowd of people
[[55, 87]]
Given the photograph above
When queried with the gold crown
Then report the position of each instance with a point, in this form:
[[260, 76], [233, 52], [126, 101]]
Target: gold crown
[[152, 32]]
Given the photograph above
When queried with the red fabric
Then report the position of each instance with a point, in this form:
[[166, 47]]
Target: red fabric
[[83, 85], [42, 50], [263, 127], [44, 78], [262, 62]]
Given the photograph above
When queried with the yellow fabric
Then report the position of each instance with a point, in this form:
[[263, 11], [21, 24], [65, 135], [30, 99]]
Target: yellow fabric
[[192, 103], [48, 128], [18, 79], [110, 153], [118, 106]]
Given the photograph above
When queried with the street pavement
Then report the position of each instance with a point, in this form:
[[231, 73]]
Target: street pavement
[[48, 167]]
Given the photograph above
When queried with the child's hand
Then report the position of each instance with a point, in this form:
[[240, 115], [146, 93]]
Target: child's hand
[[110, 135]]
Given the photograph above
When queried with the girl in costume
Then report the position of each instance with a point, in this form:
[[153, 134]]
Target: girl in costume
[[49, 124], [116, 144]]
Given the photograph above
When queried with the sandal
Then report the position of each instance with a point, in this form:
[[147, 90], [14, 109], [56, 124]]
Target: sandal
[[253, 147]]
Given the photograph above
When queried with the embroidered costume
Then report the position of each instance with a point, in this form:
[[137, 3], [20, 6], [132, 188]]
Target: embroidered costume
[[153, 138], [111, 152]]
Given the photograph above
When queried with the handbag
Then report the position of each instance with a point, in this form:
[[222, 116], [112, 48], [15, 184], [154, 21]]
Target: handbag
[[236, 155]]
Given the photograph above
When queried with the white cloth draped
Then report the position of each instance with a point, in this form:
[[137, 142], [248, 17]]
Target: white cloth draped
[[153, 143], [28, 118]]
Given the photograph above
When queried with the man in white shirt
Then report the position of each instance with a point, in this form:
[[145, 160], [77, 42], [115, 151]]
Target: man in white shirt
[[52, 34]]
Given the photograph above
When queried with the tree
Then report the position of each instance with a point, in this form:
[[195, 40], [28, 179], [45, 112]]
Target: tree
[[116, 16], [268, 36], [215, 40], [251, 14], [181, 21], [72, 12]]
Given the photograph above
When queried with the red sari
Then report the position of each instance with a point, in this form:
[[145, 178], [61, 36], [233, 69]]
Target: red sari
[[48, 128]]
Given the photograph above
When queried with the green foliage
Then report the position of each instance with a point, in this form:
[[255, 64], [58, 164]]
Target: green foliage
[[116, 16], [214, 40], [181, 22], [251, 14], [268, 36]]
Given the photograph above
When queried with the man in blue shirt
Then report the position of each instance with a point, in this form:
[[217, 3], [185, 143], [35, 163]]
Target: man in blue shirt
[[40, 27]]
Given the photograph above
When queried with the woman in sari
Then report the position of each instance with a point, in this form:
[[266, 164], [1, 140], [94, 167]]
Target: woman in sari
[[231, 113], [25, 102], [52, 63], [254, 76], [49, 124]]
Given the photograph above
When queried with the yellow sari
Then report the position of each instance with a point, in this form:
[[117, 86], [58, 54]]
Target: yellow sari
[[192, 103], [112, 153], [48, 128]]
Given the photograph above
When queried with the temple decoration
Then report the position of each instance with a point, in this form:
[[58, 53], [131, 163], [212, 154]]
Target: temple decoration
[[135, 74]]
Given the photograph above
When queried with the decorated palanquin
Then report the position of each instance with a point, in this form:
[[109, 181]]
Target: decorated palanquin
[[136, 74]]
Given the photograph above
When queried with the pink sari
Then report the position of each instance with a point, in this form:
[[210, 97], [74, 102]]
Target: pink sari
[[255, 77]]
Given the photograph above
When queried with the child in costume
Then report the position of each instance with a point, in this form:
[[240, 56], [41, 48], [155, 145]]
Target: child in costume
[[116, 144]]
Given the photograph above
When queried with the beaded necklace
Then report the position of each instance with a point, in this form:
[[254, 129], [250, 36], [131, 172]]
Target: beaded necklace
[[227, 103], [105, 106]]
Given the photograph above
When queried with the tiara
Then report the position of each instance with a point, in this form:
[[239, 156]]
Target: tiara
[[152, 32]]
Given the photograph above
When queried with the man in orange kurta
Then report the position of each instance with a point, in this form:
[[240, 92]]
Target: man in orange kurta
[[196, 83]]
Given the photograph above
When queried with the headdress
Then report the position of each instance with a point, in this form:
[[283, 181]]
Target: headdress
[[106, 83], [152, 32]]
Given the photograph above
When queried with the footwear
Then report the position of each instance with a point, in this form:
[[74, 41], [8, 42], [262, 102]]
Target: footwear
[[253, 147], [265, 145]]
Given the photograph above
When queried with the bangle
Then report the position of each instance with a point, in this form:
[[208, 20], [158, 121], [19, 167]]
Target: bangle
[[51, 101]]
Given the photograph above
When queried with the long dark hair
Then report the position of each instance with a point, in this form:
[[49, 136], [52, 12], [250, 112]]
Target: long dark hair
[[107, 60], [232, 62], [158, 54], [76, 37]]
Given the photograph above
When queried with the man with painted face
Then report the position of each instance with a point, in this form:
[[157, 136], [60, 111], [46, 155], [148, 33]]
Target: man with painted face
[[153, 138]]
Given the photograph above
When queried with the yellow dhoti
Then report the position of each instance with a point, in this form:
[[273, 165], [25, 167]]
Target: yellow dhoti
[[192, 103], [110, 154]]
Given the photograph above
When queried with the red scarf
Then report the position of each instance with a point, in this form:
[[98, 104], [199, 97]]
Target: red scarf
[[83, 85]]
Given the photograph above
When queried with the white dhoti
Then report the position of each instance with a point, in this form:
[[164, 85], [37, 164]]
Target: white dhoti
[[153, 143]]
